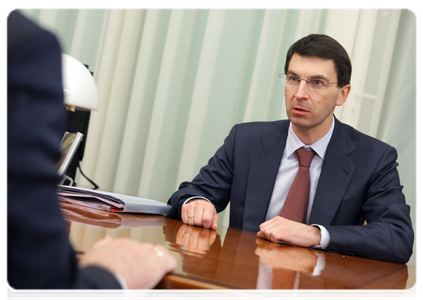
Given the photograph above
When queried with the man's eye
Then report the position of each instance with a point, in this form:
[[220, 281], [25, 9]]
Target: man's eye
[[318, 82], [293, 79]]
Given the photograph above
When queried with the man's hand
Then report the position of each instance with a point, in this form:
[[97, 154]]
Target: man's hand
[[281, 230], [200, 213], [141, 265]]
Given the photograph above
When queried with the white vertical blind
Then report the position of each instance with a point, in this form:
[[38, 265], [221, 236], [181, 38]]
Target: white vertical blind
[[386, 57], [361, 53], [202, 93]]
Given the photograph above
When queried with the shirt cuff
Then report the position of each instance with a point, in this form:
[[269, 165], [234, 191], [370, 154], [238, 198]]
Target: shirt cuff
[[325, 237], [196, 197]]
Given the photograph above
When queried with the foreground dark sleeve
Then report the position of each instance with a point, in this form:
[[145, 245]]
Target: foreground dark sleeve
[[388, 234], [213, 182], [39, 255]]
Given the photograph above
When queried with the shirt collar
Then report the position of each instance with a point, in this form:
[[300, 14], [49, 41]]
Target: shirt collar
[[293, 142]]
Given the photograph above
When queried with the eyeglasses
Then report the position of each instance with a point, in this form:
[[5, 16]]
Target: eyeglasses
[[293, 81]]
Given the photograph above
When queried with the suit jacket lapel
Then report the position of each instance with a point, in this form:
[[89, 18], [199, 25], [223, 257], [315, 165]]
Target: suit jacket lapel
[[337, 172], [264, 165]]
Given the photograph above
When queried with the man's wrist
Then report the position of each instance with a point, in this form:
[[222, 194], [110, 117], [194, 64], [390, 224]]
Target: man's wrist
[[324, 237]]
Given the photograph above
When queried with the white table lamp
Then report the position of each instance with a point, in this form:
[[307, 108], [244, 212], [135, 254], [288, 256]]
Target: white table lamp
[[79, 87]]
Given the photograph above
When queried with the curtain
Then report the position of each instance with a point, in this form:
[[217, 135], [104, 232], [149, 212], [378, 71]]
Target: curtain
[[172, 83]]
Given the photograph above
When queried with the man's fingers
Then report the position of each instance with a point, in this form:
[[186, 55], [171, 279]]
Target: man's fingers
[[208, 214], [269, 228], [168, 263], [184, 214], [200, 213], [215, 222], [104, 241], [210, 218], [187, 213], [191, 213]]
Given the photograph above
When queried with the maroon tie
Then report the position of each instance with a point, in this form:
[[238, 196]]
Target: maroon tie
[[296, 203]]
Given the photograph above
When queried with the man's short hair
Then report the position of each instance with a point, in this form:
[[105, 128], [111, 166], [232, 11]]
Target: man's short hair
[[323, 46]]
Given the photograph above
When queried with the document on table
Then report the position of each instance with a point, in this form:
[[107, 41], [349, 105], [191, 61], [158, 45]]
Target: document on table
[[111, 201]]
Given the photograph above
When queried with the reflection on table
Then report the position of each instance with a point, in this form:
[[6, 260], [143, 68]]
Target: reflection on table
[[233, 258]]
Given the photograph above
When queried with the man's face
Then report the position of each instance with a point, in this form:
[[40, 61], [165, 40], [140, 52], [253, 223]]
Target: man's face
[[311, 111]]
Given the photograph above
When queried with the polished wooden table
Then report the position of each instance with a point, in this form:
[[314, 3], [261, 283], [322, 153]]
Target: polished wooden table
[[235, 259]]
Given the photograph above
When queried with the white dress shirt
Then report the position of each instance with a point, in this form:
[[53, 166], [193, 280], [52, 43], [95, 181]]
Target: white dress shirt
[[288, 169]]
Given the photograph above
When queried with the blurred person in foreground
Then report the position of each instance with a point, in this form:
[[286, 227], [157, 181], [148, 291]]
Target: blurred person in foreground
[[39, 254]]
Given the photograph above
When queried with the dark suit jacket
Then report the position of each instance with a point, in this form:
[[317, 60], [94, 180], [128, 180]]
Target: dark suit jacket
[[359, 181], [39, 255]]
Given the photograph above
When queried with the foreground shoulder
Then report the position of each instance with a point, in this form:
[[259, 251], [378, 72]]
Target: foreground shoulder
[[19, 30]]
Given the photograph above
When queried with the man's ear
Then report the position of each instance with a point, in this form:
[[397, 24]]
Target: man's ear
[[343, 95]]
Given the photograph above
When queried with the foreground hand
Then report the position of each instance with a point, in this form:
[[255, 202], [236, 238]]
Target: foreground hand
[[281, 230], [141, 265], [200, 213]]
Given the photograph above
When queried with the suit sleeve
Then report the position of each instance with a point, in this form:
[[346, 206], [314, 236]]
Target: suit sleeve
[[39, 255], [388, 234], [213, 182]]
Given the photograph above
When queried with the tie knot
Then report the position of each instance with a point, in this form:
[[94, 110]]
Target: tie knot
[[305, 157]]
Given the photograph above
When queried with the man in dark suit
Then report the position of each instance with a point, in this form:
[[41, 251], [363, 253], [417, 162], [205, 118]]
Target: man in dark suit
[[39, 255], [353, 177]]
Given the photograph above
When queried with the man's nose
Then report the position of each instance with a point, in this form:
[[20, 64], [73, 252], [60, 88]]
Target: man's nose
[[302, 90]]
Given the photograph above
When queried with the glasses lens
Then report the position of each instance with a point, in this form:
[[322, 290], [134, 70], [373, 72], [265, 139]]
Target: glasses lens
[[294, 82], [317, 84]]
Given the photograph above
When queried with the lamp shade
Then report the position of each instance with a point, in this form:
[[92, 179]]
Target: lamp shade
[[80, 90]]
